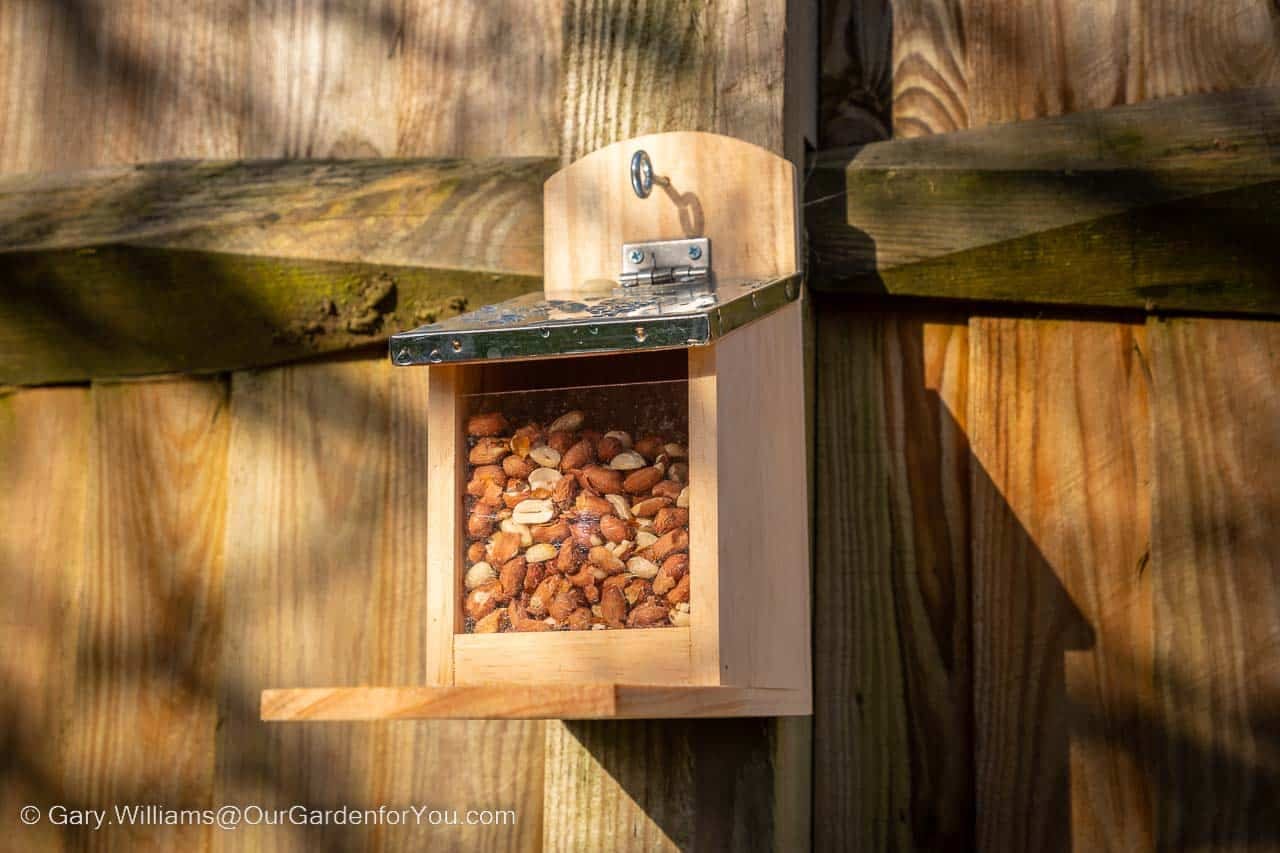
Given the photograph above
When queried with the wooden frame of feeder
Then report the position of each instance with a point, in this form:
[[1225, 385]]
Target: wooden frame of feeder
[[746, 651]]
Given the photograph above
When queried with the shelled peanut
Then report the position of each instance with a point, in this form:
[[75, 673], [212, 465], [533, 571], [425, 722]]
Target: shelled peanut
[[569, 528]]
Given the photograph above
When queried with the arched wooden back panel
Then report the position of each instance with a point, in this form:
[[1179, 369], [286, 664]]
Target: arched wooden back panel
[[738, 195]]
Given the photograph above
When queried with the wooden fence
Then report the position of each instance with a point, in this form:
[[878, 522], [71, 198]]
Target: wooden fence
[[1046, 604]]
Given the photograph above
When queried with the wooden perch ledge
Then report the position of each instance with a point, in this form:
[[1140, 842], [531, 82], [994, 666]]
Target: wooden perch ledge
[[197, 266], [1165, 205]]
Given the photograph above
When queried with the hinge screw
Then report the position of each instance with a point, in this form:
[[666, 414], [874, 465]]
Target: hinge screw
[[636, 256], [695, 252]]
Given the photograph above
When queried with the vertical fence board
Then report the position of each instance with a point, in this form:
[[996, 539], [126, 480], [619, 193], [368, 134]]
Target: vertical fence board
[[1061, 605], [636, 68], [457, 97], [926, 387], [44, 447], [324, 78], [644, 804], [1215, 436], [1182, 47], [891, 644], [629, 69], [101, 82], [151, 612], [327, 557]]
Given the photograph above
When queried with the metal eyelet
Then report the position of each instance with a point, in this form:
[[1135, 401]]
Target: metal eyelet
[[641, 174]]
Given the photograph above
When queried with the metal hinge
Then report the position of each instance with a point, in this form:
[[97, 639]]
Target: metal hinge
[[666, 262]]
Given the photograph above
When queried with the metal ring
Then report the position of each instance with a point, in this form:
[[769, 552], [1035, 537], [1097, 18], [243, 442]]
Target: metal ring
[[641, 174]]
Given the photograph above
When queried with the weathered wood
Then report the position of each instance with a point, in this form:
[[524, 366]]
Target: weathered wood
[[112, 83], [90, 83], [208, 266], [934, 66], [891, 645], [664, 785], [299, 106], [1166, 205], [893, 68], [1049, 57], [44, 455], [632, 69], [326, 555], [480, 80], [153, 567], [1215, 433], [1062, 614]]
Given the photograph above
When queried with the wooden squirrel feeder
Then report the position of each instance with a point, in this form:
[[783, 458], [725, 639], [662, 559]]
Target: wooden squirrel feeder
[[639, 325]]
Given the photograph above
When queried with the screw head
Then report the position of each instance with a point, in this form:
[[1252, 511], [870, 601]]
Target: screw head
[[636, 256], [695, 252]]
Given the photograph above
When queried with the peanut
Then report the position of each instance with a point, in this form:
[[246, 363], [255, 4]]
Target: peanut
[[487, 424], [518, 468], [602, 479], [613, 528], [578, 456], [642, 480], [669, 518], [569, 422], [512, 576], [489, 450], [479, 574], [545, 456], [570, 528], [646, 615]]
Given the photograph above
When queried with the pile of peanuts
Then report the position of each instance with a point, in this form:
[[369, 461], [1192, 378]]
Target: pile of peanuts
[[573, 529]]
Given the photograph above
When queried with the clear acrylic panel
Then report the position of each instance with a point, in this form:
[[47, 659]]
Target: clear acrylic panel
[[576, 508]]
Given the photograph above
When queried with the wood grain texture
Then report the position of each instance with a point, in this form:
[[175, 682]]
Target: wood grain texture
[[215, 265], [580, 657], [630, 69], [931, 67], [482, 214], [751, 623], [620, 785], [1186, 47], [1160, 205], [634, 68], [1045, 58], [325, 78], [1049, 57], [1062, 609], [739, 196], [327, 552], [44, 455], [661, 785], [891, 595], [146, 643], [445, 470], [972, 63], [89, 82], [893, 68], [925, 382], [580, 699], [1215, 512], [637, 68], [457, 97]]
